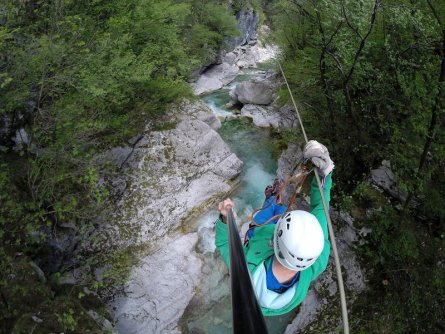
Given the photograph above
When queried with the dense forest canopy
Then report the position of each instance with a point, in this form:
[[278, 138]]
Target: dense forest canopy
[[369, 76], [83, 76], [80, 76]]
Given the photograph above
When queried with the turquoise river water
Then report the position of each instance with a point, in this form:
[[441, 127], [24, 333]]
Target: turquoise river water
[[259, 151]]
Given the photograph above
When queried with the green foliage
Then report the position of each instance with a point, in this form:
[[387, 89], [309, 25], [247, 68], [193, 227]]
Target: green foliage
[[368, 86], [209, 25], [83, 76], [67, 321], [369, 77], [406, 284]]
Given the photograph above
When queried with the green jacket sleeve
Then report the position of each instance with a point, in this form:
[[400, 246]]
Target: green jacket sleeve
[[318, 211], [222, 240]]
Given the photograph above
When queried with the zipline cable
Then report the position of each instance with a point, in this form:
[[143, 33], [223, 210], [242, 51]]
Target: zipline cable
[[344, 310], [246, 312]]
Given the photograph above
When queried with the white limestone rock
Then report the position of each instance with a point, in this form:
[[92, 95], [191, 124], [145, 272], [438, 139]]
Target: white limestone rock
[[169, 175], [269, 116], [249, 92], [215, 78], [200, 111], [159, 288], [261, 116], [248, 56]]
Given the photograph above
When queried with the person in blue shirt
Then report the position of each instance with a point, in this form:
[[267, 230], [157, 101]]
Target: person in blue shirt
[[272, 207]]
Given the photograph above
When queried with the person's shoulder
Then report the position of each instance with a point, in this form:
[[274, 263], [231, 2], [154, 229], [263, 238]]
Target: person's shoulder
[[262, 240], [264, 232]]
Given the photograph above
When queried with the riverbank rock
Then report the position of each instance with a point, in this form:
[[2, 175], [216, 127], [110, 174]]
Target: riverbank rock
[[249, 56], [169, 174], [289, 160], [248, 50], [261, 116], [249, 92], [269, 116], [384, 178], [159, 288], [21, 139], [215, 78]]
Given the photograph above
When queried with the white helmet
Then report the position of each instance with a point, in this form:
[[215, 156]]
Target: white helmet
[[298, 240]]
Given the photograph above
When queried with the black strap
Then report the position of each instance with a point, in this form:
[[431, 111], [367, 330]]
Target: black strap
[[246, 312]]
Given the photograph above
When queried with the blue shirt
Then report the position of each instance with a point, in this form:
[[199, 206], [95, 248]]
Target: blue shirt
[[272, 282], [267, 212]]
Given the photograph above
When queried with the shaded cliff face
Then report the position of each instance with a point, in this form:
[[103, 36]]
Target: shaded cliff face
[[248, 21]]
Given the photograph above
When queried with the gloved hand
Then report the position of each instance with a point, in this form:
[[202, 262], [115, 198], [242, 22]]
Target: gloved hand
[[224, 206], [319, 155]]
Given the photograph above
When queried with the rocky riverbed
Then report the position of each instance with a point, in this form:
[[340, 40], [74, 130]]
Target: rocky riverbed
[[179, 283]]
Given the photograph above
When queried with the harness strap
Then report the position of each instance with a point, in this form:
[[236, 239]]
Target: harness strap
[[301, 178]]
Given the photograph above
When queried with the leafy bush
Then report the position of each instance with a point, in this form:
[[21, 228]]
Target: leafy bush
[[80, 77]]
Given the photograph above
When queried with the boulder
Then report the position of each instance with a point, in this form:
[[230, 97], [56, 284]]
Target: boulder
[[288, 165], [202, 112], [269, 116], [215, 78], [251, 93], [159, 288], [249, 56], [21, 139], [288, 117], [289, 160], [261, 116], [384, 178]]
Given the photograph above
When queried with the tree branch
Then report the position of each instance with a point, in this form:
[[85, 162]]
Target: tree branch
[[355, 29], [433, 10], [363, 41], [302, 9]]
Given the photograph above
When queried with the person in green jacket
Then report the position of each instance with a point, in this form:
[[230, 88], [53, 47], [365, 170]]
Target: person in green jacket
[[285, 257]]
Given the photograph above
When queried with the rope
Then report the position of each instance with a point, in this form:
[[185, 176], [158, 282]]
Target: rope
[[278, 196], [344, 311]]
